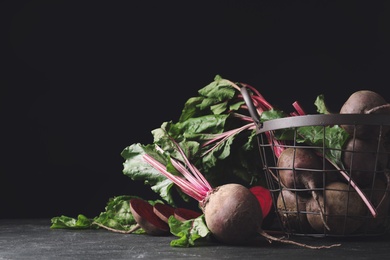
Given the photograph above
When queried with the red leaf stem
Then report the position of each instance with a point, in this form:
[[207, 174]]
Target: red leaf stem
[[202, 180], [225, 135], [299, 109], [198, 185], [188, 187]]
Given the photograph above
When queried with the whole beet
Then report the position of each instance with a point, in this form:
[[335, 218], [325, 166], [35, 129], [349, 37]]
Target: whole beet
[[344, 210], [233, 214], [364, 158], [365, 102], [291, 208]]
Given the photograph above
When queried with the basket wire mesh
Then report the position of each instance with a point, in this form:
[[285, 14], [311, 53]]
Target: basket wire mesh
[[338, 203]]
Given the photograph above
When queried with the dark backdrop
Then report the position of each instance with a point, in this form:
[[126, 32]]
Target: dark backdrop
[[81, 80]]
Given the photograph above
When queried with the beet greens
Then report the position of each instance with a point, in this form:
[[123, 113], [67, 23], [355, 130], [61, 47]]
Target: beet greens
[[217, 136], [218, 139]]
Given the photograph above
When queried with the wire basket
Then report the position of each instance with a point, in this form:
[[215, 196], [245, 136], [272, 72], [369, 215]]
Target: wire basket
[[321, 189]]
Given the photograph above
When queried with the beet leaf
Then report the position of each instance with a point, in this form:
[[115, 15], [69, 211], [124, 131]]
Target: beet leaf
[[190, 232]]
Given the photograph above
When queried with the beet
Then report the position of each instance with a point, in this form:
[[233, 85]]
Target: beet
[[143, 214], [184, 214], [291, 208], [264, 197], [365, 102], [301, 169], [163, 211], [343, 209], [364, 158], [232, 214]]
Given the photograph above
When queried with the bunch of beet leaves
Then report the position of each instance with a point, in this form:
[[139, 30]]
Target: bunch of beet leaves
[[218, 136]]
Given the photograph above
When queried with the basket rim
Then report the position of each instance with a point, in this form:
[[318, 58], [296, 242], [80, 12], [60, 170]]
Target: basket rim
[[324, 120]]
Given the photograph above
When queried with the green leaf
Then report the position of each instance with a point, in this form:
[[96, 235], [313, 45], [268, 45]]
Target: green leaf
[[117, 214], [331, 137], [65, 222], [189, 232], [320, 104], [218, 90], [203, 124], [191, 108], [137, 169], [271, 114]]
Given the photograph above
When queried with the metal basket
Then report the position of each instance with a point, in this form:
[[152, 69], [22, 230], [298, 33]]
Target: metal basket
[[333, 206]]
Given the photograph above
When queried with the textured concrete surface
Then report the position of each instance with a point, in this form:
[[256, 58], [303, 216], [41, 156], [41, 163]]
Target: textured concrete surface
[[33, 239]]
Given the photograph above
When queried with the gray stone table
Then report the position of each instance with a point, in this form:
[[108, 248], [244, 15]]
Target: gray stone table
[[33, 239]]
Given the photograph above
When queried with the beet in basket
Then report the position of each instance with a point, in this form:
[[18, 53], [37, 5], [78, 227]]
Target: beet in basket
[[327, 189]]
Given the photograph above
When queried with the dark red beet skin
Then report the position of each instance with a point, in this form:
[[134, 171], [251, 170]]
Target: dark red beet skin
[[233, 214]]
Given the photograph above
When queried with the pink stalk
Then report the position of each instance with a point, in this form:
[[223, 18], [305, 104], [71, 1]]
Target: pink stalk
[[259, 97], [194, 184], [188, 187], [200, 178], [299, 109], [223, 136], [363, 196], [188, 176], [261, 105]]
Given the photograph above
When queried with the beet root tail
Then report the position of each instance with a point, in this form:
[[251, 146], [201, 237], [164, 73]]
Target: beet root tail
[[286, 241]]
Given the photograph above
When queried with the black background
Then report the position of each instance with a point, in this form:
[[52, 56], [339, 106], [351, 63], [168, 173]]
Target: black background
[[82, 80]]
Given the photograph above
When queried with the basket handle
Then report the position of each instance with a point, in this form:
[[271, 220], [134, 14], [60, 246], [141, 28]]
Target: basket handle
[[249, 103]]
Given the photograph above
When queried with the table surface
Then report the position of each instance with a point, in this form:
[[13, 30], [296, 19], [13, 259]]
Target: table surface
[[33, 239]]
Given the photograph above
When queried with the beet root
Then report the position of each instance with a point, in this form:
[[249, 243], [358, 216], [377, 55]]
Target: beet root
[[144, 215], [291, 208], [364, 158], [163, 211], [365, 102], [302, 169], [344, 210], [292, 159], [232, 213], [264, 197], [183, 214]]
